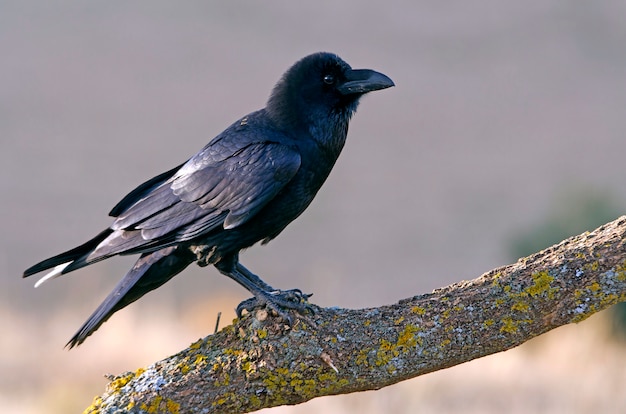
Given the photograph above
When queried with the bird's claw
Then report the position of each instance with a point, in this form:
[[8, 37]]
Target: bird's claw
[[280, 301]]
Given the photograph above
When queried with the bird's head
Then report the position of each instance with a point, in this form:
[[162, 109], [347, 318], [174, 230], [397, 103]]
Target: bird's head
[[318, 86]]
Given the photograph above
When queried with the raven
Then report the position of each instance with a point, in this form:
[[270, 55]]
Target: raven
[[244, 186]]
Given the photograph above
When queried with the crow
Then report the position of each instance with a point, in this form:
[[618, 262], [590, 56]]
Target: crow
[[245, 186]]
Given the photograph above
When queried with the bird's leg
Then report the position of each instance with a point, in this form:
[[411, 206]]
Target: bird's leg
[[253, 278], [293, 296], [264, 295], [295, 293]]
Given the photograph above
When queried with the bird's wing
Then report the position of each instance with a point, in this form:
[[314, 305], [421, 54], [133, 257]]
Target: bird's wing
[[214, 188], [141, 191]]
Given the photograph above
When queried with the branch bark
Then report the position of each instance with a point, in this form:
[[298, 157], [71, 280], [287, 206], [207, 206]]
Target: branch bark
[[259, 362]]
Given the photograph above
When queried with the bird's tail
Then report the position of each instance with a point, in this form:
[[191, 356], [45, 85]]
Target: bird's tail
[[149, 272], [70, 260]]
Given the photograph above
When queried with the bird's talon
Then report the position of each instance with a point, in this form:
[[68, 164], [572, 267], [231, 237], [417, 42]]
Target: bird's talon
[[280, 302]]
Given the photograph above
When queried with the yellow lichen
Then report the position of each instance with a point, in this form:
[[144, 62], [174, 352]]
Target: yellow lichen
[[418, 310], [542, 284], [405, 342], [225, 380], [160, 405], [196, 345], [275, 381], [391, 369], [282, 381], [361, 358], [255, 401], [172, 406], [233, 352], [94, 408], [184, 369], [609, 299], [407, 337], [496, 279], [386, 351], [247, 366], [520, 306], [620, 271], [509, 325], [119, 382], [224, 398], [200, 360]]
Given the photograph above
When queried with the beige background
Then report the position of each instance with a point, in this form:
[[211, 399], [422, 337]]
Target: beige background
[[501, 110]]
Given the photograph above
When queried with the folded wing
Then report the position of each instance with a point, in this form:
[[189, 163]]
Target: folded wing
[[206, 193]]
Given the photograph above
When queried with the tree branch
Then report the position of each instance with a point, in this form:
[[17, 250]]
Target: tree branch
[[259, 362]]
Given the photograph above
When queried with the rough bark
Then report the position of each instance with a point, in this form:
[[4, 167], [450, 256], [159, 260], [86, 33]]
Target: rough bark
[[259, 362]]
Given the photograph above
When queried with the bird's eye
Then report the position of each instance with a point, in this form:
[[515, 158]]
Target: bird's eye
[[329, 79]]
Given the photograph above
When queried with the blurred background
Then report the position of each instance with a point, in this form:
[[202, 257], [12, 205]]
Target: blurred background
[[505, 134]]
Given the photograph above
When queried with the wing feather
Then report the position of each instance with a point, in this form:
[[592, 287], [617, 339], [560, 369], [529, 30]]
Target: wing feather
[[212, 190]]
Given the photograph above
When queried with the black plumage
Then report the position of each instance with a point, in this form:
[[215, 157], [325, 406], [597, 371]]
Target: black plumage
[[245, 186]]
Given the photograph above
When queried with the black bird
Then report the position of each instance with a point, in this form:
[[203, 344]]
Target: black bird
[[244, 186]]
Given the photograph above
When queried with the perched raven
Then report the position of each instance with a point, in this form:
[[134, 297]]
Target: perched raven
[[244, 186]]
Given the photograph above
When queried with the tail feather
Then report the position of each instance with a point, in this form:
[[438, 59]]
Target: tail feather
[[149, 272], [56, 272], [66, 258]]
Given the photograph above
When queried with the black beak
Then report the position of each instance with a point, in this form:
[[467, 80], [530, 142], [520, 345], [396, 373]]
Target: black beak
[[364, 80]]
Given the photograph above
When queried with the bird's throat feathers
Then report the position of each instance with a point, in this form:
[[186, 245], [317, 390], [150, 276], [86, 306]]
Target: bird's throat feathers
[[326, 125], [331, 136]]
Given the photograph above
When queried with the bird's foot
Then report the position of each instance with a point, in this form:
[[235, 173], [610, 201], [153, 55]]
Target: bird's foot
[[280, 301]]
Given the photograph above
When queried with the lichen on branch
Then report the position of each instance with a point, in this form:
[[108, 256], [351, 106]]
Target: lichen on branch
[[259, 362]]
